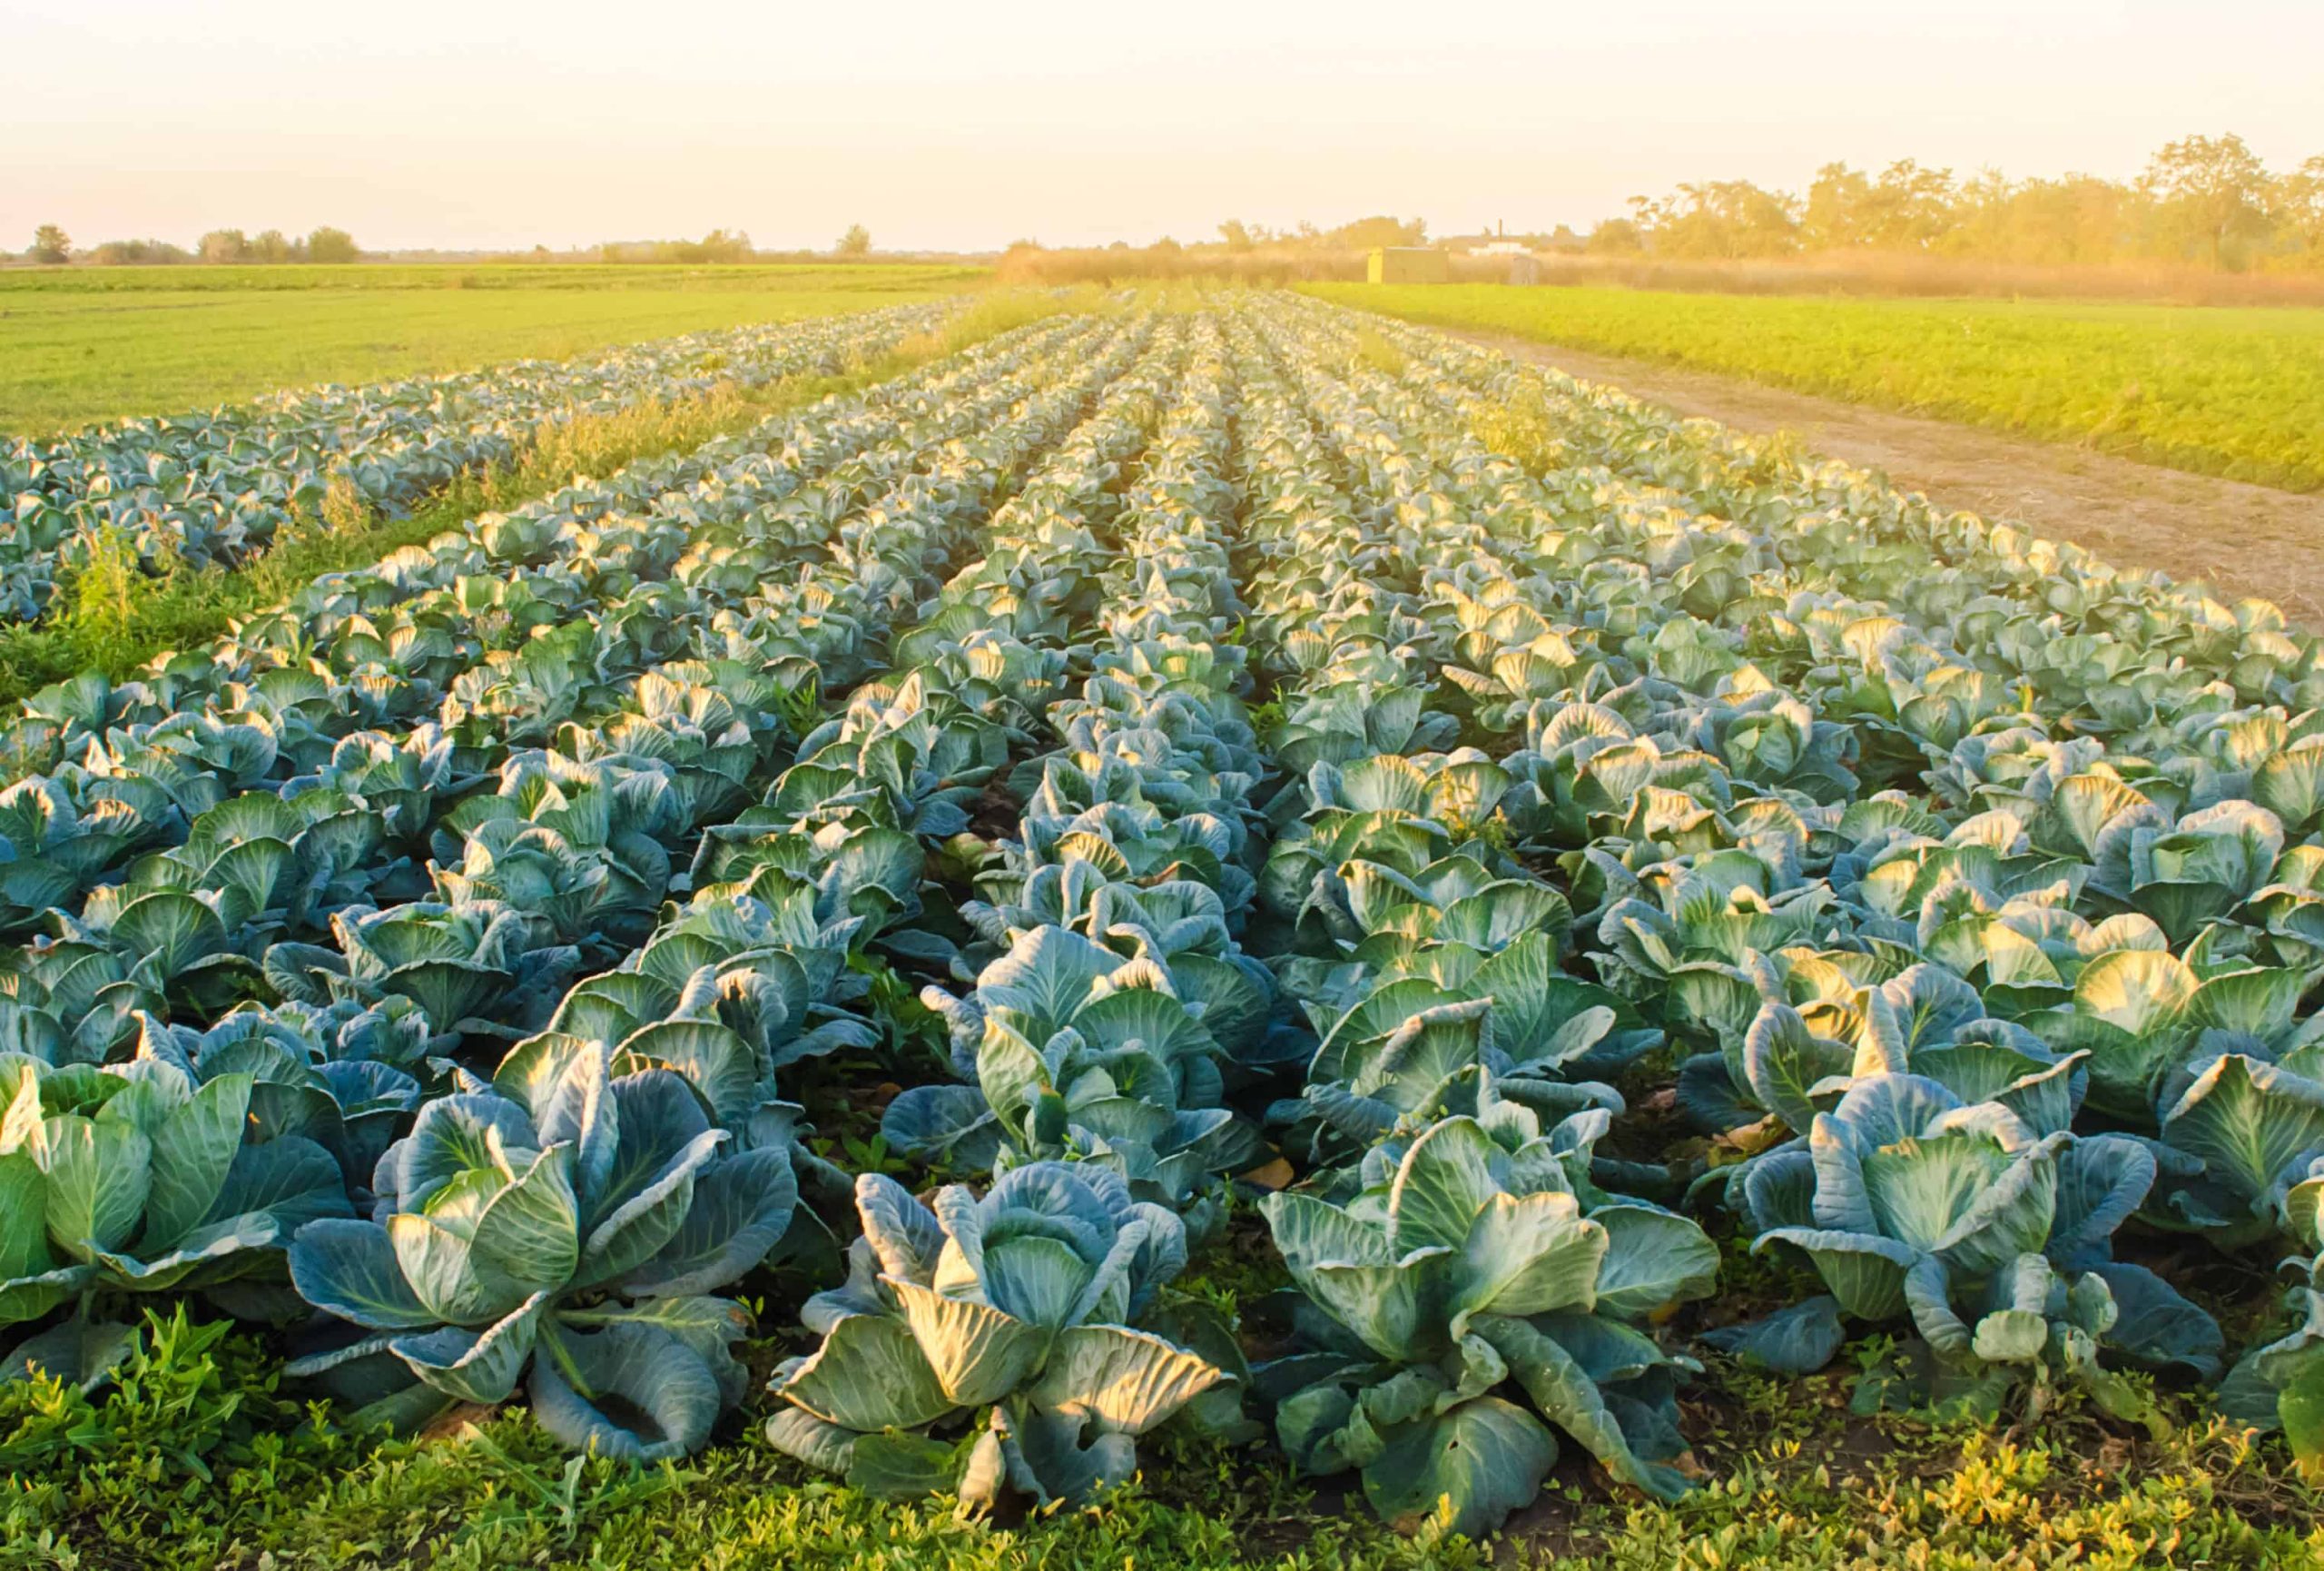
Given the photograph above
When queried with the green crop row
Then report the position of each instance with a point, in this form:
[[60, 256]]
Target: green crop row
[[2238, 393]]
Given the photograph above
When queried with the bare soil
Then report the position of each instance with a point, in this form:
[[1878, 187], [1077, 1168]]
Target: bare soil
[[2239, 540]]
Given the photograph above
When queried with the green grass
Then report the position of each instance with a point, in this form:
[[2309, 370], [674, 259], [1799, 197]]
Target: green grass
[[200, 1456], [114, 619], [575, 277], [87, 344], [2232, 393]]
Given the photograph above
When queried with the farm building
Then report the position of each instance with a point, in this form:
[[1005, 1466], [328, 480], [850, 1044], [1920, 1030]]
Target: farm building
[[1409, 264]]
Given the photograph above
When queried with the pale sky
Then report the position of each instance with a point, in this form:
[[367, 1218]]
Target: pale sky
[[511, 122]]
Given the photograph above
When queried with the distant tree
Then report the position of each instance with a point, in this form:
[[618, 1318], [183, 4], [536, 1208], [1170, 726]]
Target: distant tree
[[1907, 208], [856, 242], [2299, 205], [2077, 218], [1721, 219], [1833, 217], [1236, 234], [51, 244], [718, 246], [2212, 192], [328, 244], [137, 253], [1366, 234], [1615, 237], [223, 245], [272, 245], [1979, 220], [2203, 199]]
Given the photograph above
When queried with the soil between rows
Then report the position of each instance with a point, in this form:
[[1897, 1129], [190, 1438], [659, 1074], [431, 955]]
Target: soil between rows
[[2240, 540]]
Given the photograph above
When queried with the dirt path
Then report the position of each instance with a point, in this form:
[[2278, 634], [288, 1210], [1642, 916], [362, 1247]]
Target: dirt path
[[2241, 539]]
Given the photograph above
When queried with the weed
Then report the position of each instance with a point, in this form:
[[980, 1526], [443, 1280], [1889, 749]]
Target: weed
[[1521, 429], [195, 1459], [102, 595], [343, 510], [1374, 352]]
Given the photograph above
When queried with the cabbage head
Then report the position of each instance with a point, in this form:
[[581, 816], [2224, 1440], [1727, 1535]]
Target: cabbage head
[[134, 1180], [1023, 1304], [1994, 1240], [580, 1228], [1467, 1268]]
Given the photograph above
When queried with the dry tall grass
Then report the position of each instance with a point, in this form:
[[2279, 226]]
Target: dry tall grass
[[1878, 273], [1851, 273]]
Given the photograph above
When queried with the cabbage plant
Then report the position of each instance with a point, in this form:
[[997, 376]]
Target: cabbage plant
[[1413, 1050], [748, 976], [2280, 1383], [1021, 1304], [2199, 869], [1678, 944], [2253, 1125], [1468, 1266], [136, 1180], [347, 1077], [215, 488], [1071, 1050], [1992, 1240], [58, 835], [475, 967], [1393, 812], [900, 757], [1818, 1030], [577, 1229]]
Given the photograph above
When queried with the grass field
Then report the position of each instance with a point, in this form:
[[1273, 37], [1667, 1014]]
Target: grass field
[[2232, 393], [103, 343]]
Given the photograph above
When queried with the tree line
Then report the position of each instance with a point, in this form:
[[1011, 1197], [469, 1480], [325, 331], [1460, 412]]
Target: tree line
[[53, 246], [2202, 200], [1363, 234]]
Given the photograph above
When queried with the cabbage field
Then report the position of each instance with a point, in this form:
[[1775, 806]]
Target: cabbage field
[[1139, 889], [217, 486]]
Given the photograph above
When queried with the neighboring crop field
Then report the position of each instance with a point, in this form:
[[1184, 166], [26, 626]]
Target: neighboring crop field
[[1219, 935], [2232, 393], [104, 343]]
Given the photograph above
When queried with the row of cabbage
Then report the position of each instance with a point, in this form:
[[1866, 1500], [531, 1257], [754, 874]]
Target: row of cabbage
[[1984, 1022], [1967, 966], [1475, 1281], [489, 638], [1458, 1239], [1124, 1038], [1105, 1018], [216, 486], [161, 1139]]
